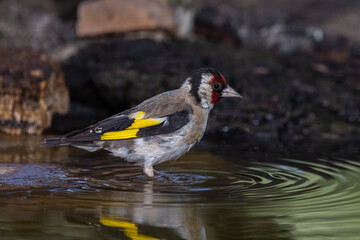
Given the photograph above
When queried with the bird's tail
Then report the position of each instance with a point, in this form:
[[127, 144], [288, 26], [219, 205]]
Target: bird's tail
[[53, 142]]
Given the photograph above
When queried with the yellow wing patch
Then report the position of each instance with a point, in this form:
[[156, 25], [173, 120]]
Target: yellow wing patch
[[132, 130], [124, 134]]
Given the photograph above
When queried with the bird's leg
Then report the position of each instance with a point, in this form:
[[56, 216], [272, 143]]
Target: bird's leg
[[148, 170]]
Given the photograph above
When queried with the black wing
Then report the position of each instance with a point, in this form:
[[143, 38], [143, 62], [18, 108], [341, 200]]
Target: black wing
[[125, 126]]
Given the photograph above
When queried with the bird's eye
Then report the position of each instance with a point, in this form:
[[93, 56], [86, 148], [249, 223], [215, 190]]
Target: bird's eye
[[216, 86]]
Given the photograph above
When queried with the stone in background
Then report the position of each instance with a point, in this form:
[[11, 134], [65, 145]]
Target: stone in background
[[32, 89], [120, 16]]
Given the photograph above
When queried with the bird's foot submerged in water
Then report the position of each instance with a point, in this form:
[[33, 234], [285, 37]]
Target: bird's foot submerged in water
[[149, 171]]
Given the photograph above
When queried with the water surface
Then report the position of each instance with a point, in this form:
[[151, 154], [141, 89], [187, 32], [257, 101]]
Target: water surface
[[236, 193]]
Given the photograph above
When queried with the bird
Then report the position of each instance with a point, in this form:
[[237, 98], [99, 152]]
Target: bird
[[161, 128]]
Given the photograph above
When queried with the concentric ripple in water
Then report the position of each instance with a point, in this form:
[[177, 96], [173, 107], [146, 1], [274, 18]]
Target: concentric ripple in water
[[322, 181], [309, 198]]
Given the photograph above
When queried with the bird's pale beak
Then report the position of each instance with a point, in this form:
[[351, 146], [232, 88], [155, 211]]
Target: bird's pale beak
[[230, 92]]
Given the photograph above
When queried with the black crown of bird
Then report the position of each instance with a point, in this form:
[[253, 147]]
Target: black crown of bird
[[159, 129]]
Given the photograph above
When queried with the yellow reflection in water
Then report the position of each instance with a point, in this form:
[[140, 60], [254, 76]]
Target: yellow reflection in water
[[130, 229]]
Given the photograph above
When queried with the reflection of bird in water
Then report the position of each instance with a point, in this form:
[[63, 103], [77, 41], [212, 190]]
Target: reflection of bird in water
[[147, 219], [159, 129], [130, 229]]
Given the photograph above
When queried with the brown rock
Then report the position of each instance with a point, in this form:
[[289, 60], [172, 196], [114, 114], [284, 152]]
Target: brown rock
[[32, 89], [119, 16]]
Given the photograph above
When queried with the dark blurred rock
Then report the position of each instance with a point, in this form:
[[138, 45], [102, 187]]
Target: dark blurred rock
[[284, 26], [101, 17], [355, 49], [36, 24], [117, 74], [292, 97], [251, 27], [67, 9], [32, 89], [219, 23], [333, 47], [344, 21], [78, 116]]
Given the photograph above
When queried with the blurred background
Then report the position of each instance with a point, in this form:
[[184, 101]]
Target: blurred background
[[296, 63]]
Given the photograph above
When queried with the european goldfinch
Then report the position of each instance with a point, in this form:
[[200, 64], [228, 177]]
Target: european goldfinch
[[159, 129]]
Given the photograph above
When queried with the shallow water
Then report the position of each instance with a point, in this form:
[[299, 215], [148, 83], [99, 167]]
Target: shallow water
[[234, 194]]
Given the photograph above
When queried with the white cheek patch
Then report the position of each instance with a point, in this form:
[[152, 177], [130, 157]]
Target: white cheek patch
[[205, 93]]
